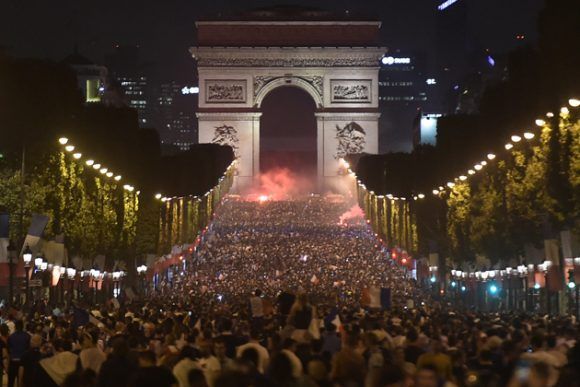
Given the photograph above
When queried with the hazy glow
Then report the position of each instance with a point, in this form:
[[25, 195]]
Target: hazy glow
[[63, 140], [462, 177], [529, 135], [508, 146], [77, 155], [540, 122], [574, 102], [477, 167], [90, 162], [490, 156], [118, 177], [69, 148], [516, 138]]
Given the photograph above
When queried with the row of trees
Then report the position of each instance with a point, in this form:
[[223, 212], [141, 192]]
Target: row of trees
[[514, 204], [93, 213], [524, 197], [184, 218]]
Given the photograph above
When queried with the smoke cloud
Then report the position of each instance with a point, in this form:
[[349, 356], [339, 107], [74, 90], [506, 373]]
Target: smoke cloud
[[280, 184], [354, 215]]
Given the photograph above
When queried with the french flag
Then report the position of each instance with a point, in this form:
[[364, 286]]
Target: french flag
[[35, 231], [4, 237]]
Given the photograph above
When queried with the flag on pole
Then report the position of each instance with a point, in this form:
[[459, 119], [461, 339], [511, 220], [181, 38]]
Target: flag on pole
[[35, 231], [4, 237]]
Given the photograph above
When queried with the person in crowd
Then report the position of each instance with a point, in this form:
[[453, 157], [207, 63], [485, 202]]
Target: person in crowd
[[18, 344], [91, 356], [29, 362], [53, 370]]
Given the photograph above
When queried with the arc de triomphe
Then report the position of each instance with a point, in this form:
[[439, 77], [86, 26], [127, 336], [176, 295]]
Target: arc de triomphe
[[335, 62]]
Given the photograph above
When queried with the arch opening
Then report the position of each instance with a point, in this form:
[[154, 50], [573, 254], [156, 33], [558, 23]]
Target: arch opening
[[288, 133]]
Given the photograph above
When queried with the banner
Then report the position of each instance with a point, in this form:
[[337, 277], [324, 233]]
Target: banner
[[37, 226], [4, 237]]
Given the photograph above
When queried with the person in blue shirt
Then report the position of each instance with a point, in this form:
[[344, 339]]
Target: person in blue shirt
[[18, 344]]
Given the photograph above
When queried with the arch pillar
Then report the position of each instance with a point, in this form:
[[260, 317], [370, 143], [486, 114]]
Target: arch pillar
[[340, 133], [241, 131]]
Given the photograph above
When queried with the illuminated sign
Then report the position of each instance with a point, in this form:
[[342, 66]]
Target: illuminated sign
[[190, 90], [389, 60], [446, 4]]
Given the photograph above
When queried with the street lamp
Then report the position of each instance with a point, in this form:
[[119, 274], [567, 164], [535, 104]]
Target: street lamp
[[95, 276], [141, 270], [27, 258], [11, 254]]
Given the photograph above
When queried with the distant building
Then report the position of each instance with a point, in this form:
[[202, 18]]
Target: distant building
[[174, 118], [125, 66], [136, 96], [405, 90], [93, 81]]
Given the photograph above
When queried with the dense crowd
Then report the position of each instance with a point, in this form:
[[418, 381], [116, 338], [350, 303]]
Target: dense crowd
[[296, 245], [273, 298]]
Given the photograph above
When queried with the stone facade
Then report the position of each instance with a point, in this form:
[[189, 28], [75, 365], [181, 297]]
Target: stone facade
[[343, 82]]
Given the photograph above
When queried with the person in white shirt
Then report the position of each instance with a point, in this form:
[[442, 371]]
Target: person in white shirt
[[263, 355]]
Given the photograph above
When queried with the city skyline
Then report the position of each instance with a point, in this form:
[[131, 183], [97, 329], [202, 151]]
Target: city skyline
[[164, 33]]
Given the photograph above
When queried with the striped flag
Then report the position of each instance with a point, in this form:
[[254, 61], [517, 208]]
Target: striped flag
[[4, 237], [376, 298], [35, 231]]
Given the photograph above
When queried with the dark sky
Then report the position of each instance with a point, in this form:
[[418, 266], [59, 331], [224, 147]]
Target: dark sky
[[164, 29]]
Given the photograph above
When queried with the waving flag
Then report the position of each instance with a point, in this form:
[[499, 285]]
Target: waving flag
[[35, 231], [4, 237]]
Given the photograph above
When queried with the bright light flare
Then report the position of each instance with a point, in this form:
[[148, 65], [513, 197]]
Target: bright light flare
[[574, 102], [529, 135], [90, 162], [540, 122], [63, 140], [77, 155], [509, 146], [263, 198], [69, 148], [516, 138]]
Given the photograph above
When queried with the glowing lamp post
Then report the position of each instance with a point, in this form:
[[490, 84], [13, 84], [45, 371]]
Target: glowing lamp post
[[141, 271], [27, 258], [95, 277]]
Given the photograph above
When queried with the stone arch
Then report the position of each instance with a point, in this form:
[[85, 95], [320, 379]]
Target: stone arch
[[288, 81]]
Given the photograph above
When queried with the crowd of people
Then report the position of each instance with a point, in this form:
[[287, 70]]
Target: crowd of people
[[273, 298]]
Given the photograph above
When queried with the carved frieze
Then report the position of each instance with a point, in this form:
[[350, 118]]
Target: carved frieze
[[350, 90], [287, 62], [225, 90]]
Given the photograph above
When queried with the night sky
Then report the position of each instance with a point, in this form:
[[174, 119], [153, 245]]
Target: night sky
[[165, 29]]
